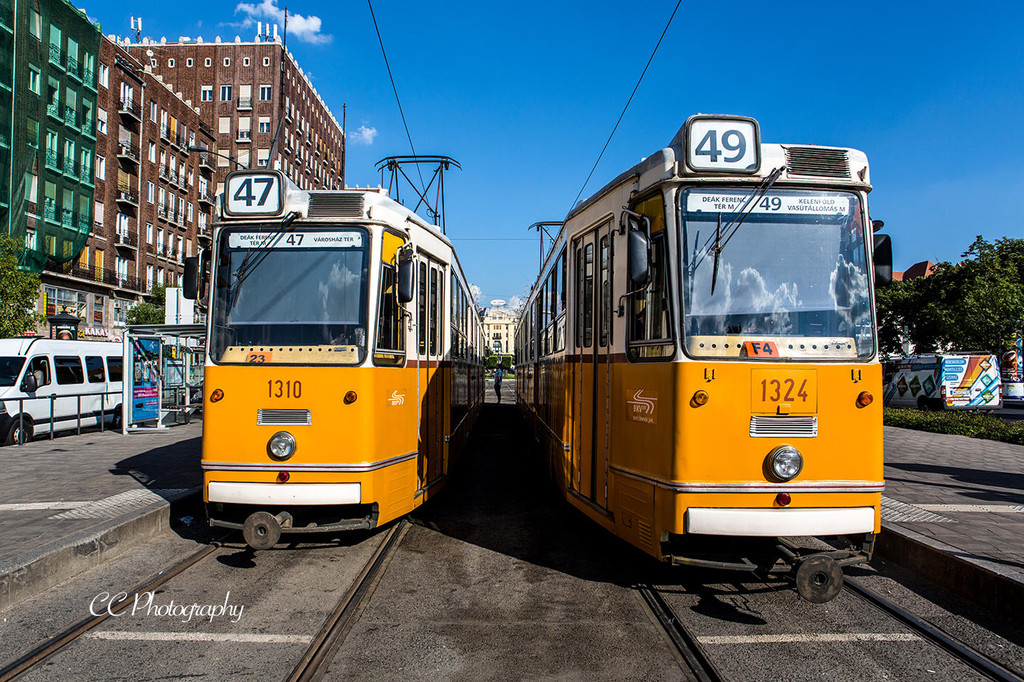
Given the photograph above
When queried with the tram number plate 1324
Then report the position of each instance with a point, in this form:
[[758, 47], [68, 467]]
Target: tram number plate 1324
[[784, 391]]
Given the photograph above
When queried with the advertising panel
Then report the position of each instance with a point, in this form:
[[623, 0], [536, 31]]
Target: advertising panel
[[145, 379]]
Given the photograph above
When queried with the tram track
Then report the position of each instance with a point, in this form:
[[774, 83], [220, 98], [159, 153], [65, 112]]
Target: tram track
[[962, 652], [685, 642], [43, 651], [335, 629]]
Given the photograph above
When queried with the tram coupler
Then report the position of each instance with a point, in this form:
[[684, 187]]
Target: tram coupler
[[262, 531]]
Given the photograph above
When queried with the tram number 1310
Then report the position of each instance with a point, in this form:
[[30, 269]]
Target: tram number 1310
[[284, 389]]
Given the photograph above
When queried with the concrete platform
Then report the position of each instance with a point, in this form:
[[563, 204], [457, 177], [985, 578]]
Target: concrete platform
[[69, 504]]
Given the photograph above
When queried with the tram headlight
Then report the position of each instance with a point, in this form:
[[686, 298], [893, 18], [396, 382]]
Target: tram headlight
[[785, 462], [281, 446]]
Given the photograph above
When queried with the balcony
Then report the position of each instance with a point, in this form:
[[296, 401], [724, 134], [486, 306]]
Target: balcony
[[55, 55], [206, 198], [175, 139], [206, 163], [73, 68], [70, 171], [205, 127], [70, 117], [127, 240], [125, 150], [53, 109], [127, 107], [161, 212], [89, 77], [126, 195], [51, 160], [165, 133], [50, 211], [244, 136], [128, 282], [244, 103], [67, 218], [182, 143], [164, 173], [86, 175]]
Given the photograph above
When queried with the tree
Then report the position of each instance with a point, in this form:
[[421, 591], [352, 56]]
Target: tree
[[975, 305], [151, 311], [19, 291]]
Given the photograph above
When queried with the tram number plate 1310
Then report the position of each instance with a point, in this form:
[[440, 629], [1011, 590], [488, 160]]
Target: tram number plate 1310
[[784, 391]]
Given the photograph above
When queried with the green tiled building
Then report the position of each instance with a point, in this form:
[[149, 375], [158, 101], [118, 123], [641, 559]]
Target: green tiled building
[[48, 52]]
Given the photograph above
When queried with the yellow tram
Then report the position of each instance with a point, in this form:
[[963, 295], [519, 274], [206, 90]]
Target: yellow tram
[[343, 361], [699, 356]]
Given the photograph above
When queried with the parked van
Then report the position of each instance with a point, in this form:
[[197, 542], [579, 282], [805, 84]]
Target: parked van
[[946, 382], [43, 381]]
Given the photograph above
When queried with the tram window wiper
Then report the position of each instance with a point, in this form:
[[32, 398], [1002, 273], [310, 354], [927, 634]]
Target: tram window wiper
[[256, 255], [722, 237]]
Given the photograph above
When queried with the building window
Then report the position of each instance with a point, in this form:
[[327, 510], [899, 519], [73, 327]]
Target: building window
[[188, 62], [149, 233], [225, 124], [206, 93], [150, 192], [264, 124], [170, 63], [245, 62], [266, 92], [152, 62], [152, 111], [33, 79], [225, 93], [101, 168], [207, 62], [101, 121], [266, 61], [104, 75], [227, 61]]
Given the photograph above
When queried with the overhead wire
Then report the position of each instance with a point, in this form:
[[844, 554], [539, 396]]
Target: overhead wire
[[631, 95], [393, 86]]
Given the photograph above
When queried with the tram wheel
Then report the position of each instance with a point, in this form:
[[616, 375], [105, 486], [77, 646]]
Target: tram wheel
[[261, 530], [819, 579]]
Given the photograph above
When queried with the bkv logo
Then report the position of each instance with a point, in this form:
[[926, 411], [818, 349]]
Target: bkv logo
[[396, 398], [643, 408]]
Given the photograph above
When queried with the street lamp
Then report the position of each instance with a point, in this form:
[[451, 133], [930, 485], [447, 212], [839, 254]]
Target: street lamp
[[204, 150]]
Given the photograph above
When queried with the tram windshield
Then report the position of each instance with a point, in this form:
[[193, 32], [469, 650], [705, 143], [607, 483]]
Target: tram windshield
[[297, 297], [10, 368], [793, 274]]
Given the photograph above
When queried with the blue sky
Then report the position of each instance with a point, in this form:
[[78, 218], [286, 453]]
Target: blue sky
[[525, 94]]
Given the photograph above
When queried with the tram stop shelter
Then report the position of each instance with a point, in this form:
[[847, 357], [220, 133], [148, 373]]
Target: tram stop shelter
[[163, 375]]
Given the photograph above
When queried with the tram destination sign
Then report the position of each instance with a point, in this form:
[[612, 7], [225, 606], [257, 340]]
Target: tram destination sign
[[318, 239], [253, 194], [723, 144], [806, 204]]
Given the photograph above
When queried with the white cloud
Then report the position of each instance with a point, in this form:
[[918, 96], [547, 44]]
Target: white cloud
[[363, 135], [306, 29], [475, 292]]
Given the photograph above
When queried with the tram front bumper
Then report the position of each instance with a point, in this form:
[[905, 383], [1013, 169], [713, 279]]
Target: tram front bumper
[[274, 493], [780, 522]]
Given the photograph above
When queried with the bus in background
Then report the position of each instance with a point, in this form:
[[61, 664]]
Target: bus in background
[[57, 385], [947, 381]]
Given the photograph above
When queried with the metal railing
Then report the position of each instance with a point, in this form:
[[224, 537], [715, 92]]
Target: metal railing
[[100, 417]]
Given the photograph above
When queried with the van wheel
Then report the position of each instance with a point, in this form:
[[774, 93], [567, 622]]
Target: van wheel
[[116, 423], [15, 434], [923, 405]]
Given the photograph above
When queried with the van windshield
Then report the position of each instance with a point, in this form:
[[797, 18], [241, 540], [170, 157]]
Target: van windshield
[[10, 368]]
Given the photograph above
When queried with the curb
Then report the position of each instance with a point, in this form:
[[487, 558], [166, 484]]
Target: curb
[[983, 582], [68, 556]]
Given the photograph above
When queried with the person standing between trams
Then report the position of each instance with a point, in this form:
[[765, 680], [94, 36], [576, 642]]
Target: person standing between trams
[[497, 382]]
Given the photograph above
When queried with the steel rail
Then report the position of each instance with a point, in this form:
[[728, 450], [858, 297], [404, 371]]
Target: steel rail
[[969, 656], [43, 651], [687, 644], [321, 650]]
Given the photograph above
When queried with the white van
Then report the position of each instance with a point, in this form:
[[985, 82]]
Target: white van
[[946, 382], [43, 381]]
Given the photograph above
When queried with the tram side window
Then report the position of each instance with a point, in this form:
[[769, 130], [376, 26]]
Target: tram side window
[[605, 309], [68, 370], [422, 305], [94, 369], [649, 322], [390, 340], [560, 303], [585, 295]]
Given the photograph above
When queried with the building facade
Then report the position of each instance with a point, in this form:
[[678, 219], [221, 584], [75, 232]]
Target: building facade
[[258, 101], [153, 197], [500, 330], [48, 52]]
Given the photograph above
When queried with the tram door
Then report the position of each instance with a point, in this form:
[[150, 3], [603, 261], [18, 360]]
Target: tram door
[[591, 371], [430, 310]]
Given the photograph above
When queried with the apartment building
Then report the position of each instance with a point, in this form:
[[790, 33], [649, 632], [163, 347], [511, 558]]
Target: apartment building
[[253, 93], [153, 196], [48, 53], [500, 330]]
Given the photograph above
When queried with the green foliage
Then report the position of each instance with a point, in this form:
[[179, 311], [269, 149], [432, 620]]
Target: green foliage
[[959, 423], [506, 361], [19, 291], [491, 361], [151, 311], [975, 305]]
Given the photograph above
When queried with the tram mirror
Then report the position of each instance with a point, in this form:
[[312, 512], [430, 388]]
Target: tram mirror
[[406, 280], [882, 259], [190, 282], [639, 257]]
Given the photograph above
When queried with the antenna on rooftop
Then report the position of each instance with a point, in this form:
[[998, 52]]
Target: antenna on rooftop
[[137, 28]]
